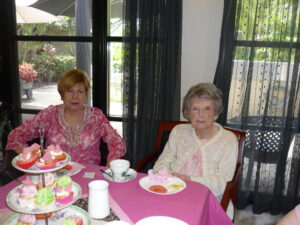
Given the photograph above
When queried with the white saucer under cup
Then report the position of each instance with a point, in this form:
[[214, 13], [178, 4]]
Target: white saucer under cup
[[98, 203]]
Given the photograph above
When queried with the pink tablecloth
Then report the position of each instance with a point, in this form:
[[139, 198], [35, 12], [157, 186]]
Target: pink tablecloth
[[195, 205]]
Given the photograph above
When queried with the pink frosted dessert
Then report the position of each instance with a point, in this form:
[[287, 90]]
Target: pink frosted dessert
[[49, 181], [47, 161], [26, 219], [33, 149], [56, 152], [162, 177], [27, 195], [27, 181], [63, 190]]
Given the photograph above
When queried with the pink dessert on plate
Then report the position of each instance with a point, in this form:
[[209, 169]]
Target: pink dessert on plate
[[27, 195], [56, 152], [33, 149], [158, 181], [63, 189], [26, 219], [47, 161], [162, 177], [49, 181], [27, 181]]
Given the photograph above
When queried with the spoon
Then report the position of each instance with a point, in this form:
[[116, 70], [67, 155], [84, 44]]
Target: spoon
[[108, 174]]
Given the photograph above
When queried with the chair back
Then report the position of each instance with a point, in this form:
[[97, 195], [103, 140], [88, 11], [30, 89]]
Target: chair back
[[163, 131], [232, 187]]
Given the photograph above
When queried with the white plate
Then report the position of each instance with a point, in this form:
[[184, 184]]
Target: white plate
[[57, 217], [145, 184], [76, 168], [13, 202], [160, 220], [35, 169], [117, 223], [130, 175]]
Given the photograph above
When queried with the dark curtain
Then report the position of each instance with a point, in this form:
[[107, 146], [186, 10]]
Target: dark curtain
[[258, 71], [151, 85], [9, 92]]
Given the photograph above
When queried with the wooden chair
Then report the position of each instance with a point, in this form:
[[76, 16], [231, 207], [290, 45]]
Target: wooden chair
[[163, 132]]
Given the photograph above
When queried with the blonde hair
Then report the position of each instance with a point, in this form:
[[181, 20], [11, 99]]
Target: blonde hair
[[203, 90], [70, 78]]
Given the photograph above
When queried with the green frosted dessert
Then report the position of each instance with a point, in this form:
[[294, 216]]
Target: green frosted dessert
[[68, 222], [44, 197], [64, 181]]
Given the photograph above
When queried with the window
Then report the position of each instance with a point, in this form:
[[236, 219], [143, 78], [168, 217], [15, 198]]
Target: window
[[265, 59], [90, 39]]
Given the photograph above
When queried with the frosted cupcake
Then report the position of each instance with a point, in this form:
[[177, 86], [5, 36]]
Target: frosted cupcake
[[26, 197], [47, 161], [26, 160], [49, 181], [28, 181], [44, 198], [33, 149], [26, 219], [63, 189], [56, 152], [73, 220]]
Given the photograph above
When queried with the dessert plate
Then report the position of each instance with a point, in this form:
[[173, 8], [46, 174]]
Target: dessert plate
[[173, 185], [13, 202], [160, 220], [76, 168], [119, 222], [57, 217], [35, 169], [130, 175]]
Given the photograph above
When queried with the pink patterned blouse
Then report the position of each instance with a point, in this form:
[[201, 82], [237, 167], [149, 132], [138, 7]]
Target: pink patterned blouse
[[82, 145]]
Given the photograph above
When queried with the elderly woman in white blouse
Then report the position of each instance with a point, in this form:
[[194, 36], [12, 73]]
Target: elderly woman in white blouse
[[202, 150]]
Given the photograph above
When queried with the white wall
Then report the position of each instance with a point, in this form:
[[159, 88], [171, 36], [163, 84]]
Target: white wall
[[201, 28]]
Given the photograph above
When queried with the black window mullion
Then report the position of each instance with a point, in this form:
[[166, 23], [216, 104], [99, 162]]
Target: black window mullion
[[267, 44], [55, 38], [100, 96]]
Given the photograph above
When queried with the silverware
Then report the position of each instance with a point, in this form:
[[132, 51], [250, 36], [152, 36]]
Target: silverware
[[108, 174]]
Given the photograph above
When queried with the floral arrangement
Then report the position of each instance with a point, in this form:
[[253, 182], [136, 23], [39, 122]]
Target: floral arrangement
[[27, 73]]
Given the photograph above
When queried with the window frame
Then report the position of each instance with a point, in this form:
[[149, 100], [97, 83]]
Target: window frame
[[99, 41]]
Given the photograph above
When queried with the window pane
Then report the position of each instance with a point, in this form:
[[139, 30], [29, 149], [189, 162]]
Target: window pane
[[48, 18], [118, 126], [115, 79], [41, 65], [267, 21], [115, 18], [269, 86], [26, 117]]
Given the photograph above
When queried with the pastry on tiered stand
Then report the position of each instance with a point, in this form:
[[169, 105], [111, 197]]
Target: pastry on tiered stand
[[47, 193]]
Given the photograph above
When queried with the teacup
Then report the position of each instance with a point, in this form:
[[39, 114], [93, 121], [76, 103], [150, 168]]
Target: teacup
[[119, 167]]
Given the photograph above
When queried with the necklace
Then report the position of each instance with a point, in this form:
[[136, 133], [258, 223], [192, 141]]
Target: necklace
[[72, 131]]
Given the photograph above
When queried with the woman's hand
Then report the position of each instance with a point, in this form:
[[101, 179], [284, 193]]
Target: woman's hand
[[183, 177]]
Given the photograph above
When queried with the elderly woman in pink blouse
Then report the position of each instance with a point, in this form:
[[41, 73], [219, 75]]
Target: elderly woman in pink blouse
[[75, 126], [202, 150]]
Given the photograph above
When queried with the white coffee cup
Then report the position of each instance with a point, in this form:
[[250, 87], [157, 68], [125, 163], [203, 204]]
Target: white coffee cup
[[119, 167], [98, 203]]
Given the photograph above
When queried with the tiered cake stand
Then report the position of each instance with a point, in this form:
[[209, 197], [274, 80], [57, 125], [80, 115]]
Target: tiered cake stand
[[59, 211]]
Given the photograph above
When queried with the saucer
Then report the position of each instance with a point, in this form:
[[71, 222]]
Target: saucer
[[130, 175]]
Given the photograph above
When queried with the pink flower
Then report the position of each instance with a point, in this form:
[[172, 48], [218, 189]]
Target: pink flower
[[27, 73]]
